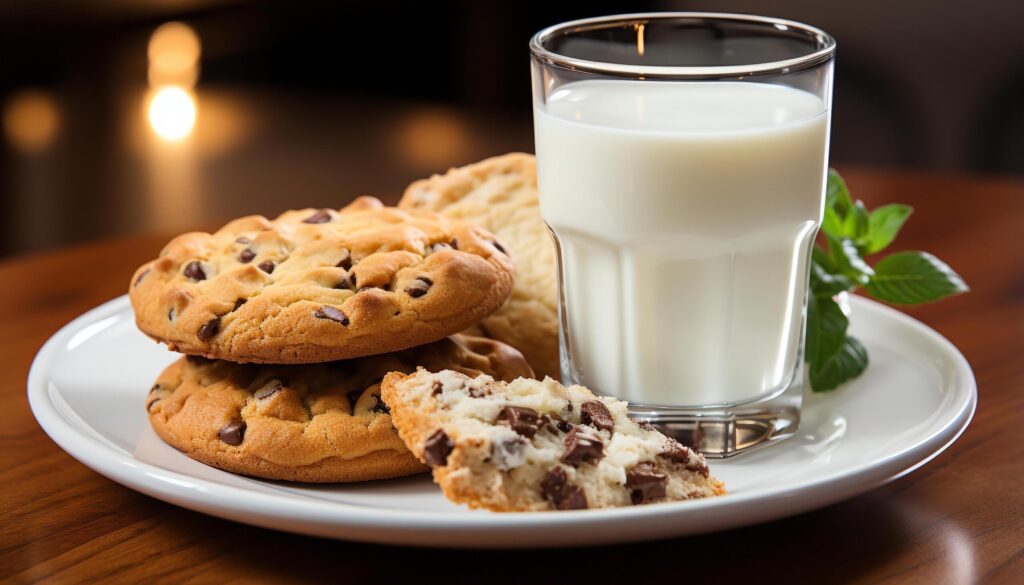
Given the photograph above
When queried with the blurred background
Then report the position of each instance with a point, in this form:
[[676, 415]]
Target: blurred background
[[123, 116]]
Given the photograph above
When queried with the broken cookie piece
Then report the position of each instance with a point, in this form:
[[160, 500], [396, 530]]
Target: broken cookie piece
[[528, 445]]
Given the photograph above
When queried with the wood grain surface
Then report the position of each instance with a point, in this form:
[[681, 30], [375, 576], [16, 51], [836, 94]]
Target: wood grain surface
[[959, 519]]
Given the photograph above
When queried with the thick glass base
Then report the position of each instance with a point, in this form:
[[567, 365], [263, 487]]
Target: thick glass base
[[720, 432]]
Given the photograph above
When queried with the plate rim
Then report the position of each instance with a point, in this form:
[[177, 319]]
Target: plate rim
[[346, 520]]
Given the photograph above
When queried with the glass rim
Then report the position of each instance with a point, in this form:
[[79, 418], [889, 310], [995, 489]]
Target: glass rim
[[541, 53]]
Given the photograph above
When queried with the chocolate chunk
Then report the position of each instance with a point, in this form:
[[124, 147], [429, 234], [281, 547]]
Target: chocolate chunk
[[322, 216], [353, 397], [436, 388], [500, 248], [242, 240], [246, 256], [194, 270], [455, 243], [332, 314], [563, 426], [233, 432], [674, 451], [267, 266], [557, 490], [582, 446], [238, 304], [437, 448], [346, 260], [509, 452], [208, 329], [419, 287], [269, 389], [379, 405], [141, 276], [647, 483], [597, 415], [149, 405], [522, 420]]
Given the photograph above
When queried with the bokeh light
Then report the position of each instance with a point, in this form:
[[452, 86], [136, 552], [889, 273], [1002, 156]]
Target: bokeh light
[[31, 120], [172, 113], [174, 50]]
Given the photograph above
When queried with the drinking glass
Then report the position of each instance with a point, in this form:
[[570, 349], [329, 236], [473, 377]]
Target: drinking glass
[[682, 160]]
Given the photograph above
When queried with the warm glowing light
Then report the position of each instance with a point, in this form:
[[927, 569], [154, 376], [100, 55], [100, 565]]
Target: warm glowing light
[[174, 51], [172, 113], [640, 39], [432, 138], [31, 120]]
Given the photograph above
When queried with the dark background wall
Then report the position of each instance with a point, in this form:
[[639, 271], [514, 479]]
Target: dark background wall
[[313, 103]]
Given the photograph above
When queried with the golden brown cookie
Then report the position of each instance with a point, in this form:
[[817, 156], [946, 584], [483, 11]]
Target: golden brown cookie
[[311, 423], [500, 194], [321, 285], [529, 445]]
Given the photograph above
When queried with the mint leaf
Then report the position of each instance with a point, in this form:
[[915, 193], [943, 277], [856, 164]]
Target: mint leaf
[[848, 261], [826, 281], [831, 223], [826, 331], [846, 364], [837, 196], [909, 278], [855, 226], [883, 226]]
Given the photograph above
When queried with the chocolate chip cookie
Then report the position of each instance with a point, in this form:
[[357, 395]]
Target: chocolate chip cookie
[[529, 445], [311, 423], [321, 285], [500, 194]]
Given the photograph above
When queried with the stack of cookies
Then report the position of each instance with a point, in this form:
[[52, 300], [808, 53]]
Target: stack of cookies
[[289, 325], [308, 338]]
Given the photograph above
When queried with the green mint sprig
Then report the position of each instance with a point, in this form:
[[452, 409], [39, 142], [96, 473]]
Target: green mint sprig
[[852, 232]]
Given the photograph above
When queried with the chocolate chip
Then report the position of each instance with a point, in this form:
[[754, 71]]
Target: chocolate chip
[[582, 446], [674, 451], [509, 452], [233, 432], [436, 388], [322, 216], [353, 397], [149, 405], [379, 406], [242, 240], [267, 266], [597, 415], [331, 314], [646, 425], [499, 247], [246, 256], [141, 276], [522, 420], [208, 329], [269, 389], [419, 287], [238, 304], [646, 483], [346, 260], [455, 243], [437, 448], [563, 426], [557, 490], [194, 270]]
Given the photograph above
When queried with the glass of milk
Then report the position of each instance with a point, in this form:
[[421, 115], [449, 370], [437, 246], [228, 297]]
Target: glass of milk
[[682, 162]]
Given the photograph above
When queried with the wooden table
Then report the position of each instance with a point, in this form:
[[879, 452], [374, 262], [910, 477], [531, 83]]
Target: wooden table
[[959, 519]]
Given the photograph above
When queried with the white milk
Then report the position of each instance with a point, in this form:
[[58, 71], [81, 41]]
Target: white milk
[[685, 214]]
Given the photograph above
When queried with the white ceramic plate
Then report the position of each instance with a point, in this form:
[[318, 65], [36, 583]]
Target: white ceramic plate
[[88, 387]]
